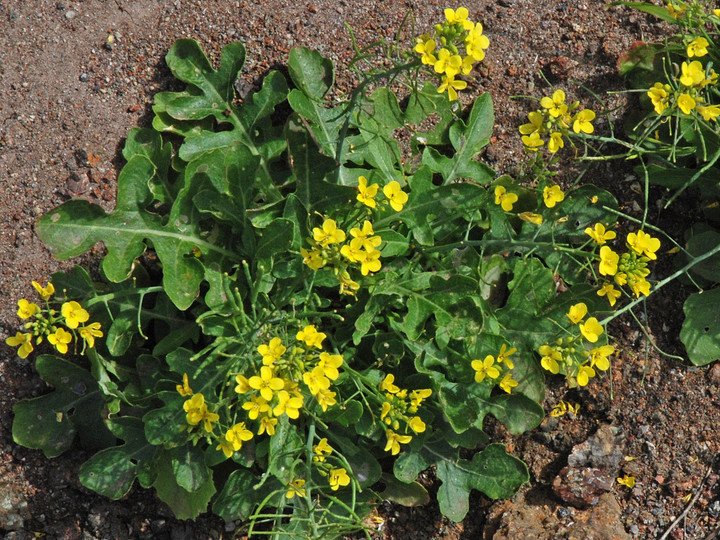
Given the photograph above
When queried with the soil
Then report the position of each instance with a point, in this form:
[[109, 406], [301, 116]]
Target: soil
[[67, 99]]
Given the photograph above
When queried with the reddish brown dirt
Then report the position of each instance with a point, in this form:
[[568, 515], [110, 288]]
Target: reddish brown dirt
[[66, 103]]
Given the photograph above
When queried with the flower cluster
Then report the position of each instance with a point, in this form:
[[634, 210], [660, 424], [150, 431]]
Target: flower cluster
[[337, 476], [689, 91], [692, 13], [577, 356], [630, 268], [59, 327], [399, 412], [496, 370], [553, 121], [331, 247], [564, 407], [452, 48]]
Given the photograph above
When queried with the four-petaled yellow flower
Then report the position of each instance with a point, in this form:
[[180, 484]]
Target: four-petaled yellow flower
[[329, 233], [508, 383], [330, 363], [555, 142], [476, 43], [485, 368], [338, 478], [659, 95], [591, 329], [577, 312], [504, 356], [288, 404], [266, 383], [184, 388], [585, 373], [697, 47], [608, 261], [505, 198], [627, 481], [448, 63], [416, 424], [533, 141], [267, 423], [321, 450], [255, 406], [551, 359], [394, 193], [643, 244], [325, 398], [272, 352], [458, 16], [709, 112], [686, 103], [44, 292], [26, 309], [316, 380], [610, 292], [24, 340], [311, 337], [367, 193], [426, 50], [692, 74], [452, 85], [89, 332], [394, 440], [74, 314], [552, 195], [555, 104], [583, 121], [236, 435], [60, 338], [599, 357], [296, 487], [388, 384], [599, 234]]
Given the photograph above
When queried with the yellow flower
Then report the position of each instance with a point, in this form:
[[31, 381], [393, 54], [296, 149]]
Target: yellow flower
[[659, 95], [347, 285], [395, 195], [388, 384], [452, 86], [296, 487], [426, 50], [608, 261], [577, 312], [266, 383], [550, 359], [643, 244], [556, 104], [24, 341], [448, 64], [535, 124], [330, 363], [508, 383], [533, 141], [692, 74], [476, 43], [74, 314], [311, 337], [697, 47], [44, 292], [599, 235], [591, 329], [316, 380], [685, 103], [60, 339], [640, 286], [184, 388], [611, 292], [504, 198], [272, 352], [321, 449], [288, 404], [329, 233], [267, 423], [416, 424], [314, 259], [338, 478], [585, 373], [485, 368], [599, 357], [89, 332], [195, 408], [536, 219], [26, 309], [627, 481], [238, 434], [325, 398], [367, 193], [709, 113], [459, 16], [555, 142], [583, 121], [552, 195], [243, 386], [394, 440], [226, 448], [504, 356], [255, 406]]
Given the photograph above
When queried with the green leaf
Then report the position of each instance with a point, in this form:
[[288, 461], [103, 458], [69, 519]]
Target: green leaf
[[700, 332], [111, 472], [407, 494], [284, 448], [467, 140], [166, 425], [237, 499], [184, 504], [699, 244], [517, 412], [189, 468], [50, 422], [313, 74]]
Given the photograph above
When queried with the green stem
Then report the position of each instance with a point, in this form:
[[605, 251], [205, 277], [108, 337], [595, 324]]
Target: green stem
[[123, 294]]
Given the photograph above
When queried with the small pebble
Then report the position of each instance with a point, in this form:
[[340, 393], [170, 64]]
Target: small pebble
[[70, 14]]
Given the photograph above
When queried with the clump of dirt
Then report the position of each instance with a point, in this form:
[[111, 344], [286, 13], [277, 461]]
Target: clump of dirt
[[75, 76]]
